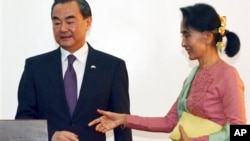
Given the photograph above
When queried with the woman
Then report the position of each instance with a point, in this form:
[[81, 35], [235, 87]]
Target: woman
[[214, 89]]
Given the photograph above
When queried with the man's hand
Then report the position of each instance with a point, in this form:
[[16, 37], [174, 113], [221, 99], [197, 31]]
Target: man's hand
[[64, 136]]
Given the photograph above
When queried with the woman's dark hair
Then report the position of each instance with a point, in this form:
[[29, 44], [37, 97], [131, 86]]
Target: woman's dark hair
[[203, 17], [83, 5]]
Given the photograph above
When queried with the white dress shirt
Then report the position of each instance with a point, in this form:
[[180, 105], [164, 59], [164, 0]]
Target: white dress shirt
[[79, 64]]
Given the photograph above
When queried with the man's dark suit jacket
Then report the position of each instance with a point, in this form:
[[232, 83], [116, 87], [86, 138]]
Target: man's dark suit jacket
[[105, 86]]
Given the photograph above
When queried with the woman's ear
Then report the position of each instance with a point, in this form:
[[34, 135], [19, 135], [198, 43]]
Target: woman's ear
[[208, 37]]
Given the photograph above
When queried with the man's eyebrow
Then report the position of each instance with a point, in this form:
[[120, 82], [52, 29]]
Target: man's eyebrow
[[68, 17], [55, 18]]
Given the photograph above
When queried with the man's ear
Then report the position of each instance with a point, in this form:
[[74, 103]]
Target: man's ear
[[89, 22]]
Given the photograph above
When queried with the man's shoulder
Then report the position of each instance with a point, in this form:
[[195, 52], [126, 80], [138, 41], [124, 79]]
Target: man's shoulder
[[108, 55], [104, 55], [45, 55]]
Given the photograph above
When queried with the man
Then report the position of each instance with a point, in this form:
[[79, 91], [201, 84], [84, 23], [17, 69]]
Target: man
[[101, 79]]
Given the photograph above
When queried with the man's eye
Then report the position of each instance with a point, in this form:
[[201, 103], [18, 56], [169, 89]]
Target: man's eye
[[70, 22], [57, 23]]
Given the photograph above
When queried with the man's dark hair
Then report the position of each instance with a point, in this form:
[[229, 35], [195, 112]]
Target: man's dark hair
[[83, 5]]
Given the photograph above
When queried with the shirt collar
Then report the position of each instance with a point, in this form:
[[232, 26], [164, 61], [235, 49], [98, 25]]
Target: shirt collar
[[80, 54]]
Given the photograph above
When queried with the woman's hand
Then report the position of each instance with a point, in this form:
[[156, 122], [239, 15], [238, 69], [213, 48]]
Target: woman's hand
[[184, 136], [108, 121]]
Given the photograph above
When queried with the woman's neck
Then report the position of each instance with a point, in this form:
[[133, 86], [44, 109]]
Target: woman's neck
[[206, 63]]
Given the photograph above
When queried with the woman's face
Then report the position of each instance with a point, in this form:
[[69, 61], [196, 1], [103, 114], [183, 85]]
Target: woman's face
[[194, 42]]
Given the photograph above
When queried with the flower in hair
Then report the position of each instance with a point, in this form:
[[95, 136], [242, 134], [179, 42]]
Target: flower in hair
[[221, 30], [220, 45], [222, 27]]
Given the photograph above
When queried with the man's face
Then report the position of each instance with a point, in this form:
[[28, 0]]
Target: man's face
[[69, 26]]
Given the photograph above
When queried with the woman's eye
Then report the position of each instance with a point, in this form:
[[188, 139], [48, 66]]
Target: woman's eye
[[185, 35]]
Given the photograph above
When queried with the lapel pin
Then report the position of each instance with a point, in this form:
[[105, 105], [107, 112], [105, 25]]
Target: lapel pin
[[93, 67]]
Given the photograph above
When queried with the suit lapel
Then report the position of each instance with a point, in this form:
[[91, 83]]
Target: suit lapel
[[56, 78], [55, 67], [88, 79]]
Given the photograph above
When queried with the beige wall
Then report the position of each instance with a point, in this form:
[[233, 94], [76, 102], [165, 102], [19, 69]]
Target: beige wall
[[145, 33]]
